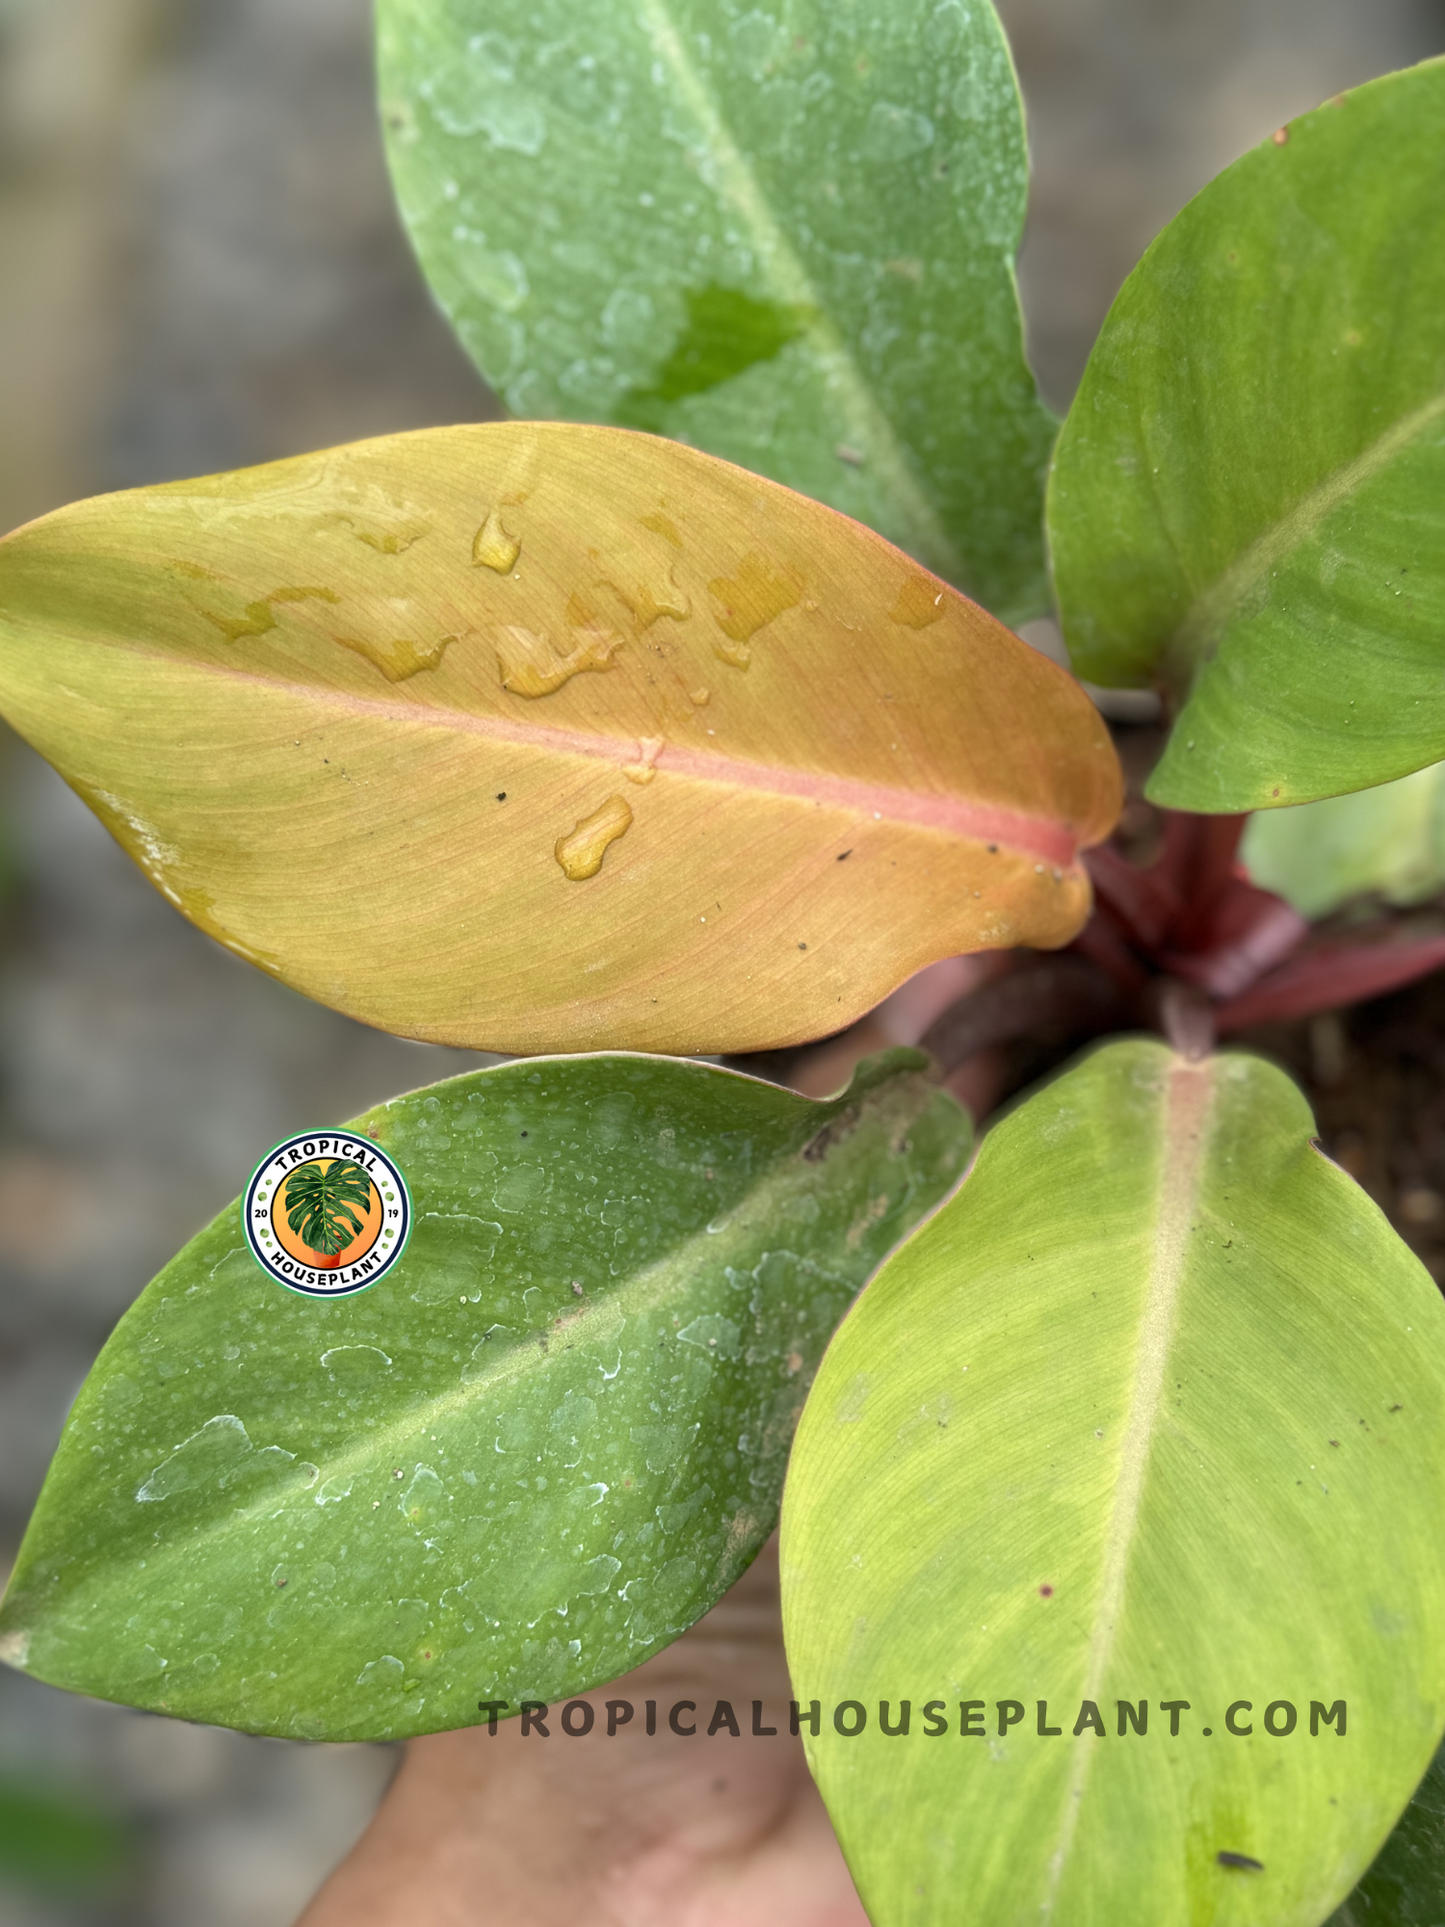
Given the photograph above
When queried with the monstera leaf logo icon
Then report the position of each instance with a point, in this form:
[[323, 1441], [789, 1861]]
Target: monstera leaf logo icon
[[319, 1200]]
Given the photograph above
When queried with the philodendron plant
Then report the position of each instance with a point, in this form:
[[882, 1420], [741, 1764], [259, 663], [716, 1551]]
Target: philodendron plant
[[1126, 1472]]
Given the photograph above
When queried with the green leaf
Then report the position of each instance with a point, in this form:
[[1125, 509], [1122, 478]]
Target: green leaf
[[786, 240], [530, 1457], [317, 1203], [1405, 1887], [1387, 842], [1247, 504], [533, 737], [1154, 1410]]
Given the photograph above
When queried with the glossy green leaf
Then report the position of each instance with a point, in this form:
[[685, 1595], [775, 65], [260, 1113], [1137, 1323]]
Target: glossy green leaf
[[531, 737], [785, 234], [1247, 506], [1387, 842], [1153, 1411], [532, 1455], [1406, 1885]]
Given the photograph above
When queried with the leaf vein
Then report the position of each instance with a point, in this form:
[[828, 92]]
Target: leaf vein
[[1187, 1100], [738, 185], [1196, 641]]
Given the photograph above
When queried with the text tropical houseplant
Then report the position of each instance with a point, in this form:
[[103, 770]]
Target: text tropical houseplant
[[554, 736]]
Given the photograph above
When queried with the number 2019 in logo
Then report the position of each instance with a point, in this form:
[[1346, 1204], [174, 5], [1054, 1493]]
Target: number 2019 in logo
[[326, 1213]]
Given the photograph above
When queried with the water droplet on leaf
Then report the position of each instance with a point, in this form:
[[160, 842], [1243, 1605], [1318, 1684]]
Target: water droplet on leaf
[[660, 525], [919, 604], [530, 665], [746, 602], [644, 769], [493, 547], [580, 854], [399, 657]]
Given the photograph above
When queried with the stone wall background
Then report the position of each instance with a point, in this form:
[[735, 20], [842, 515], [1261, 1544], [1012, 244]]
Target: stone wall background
[[200, 268]]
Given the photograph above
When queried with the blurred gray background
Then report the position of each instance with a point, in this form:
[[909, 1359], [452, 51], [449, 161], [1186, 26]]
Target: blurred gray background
[[200, 268]]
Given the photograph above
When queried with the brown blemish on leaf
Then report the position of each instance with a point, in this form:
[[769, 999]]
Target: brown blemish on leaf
[[742, 1527], [859, 1229], [818, 1146], [779, 1430]]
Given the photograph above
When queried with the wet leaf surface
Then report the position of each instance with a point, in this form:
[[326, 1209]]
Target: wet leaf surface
[[790, 243], [532, 1455], [531, 737]]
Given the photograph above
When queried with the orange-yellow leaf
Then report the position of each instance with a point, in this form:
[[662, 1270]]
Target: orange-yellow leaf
[[544, 736]]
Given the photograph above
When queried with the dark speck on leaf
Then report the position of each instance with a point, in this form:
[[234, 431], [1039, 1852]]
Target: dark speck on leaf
[[1334, 1441], [842, 854], [1046, 1592], [802, 946], [1240, 1860], [524, 1134], [501, 796], [993, 849]]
